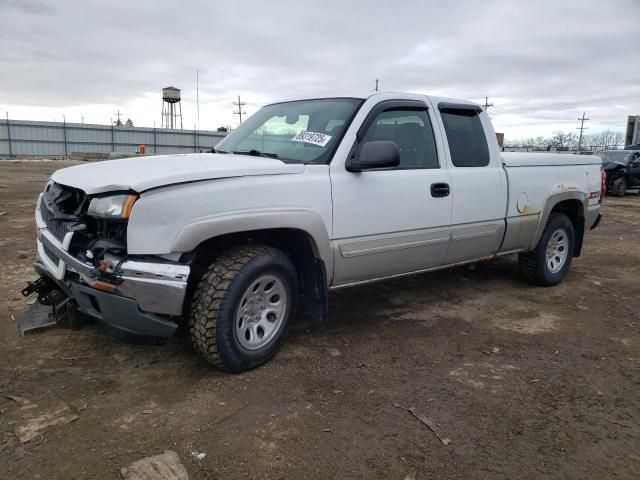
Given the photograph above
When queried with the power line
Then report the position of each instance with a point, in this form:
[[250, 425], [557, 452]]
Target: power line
[[239, 104], [581, 128]]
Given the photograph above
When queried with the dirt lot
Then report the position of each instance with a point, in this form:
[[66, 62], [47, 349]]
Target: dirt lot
[[525, 382]]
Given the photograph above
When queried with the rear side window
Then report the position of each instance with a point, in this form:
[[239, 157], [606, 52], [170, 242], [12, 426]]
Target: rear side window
[[467, 141], [412, 133]]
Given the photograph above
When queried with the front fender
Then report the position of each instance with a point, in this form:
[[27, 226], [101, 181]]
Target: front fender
[[202, 229]]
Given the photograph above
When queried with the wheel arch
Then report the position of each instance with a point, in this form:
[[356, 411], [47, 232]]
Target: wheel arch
[[302, 238], [571, 203], [196, 233]]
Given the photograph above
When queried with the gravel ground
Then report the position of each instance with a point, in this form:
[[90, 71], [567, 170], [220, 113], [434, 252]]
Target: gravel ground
[[525, 382]]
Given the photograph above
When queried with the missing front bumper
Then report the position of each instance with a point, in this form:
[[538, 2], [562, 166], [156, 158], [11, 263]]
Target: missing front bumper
[[156, 287], [120, 315]]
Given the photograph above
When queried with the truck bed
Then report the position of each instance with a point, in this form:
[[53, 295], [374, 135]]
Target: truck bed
[[563, 177]]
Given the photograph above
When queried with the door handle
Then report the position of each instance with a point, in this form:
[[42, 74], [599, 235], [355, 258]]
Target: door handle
[[440, 190]]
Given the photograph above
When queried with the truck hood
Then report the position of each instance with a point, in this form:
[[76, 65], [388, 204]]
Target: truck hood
[[144, 173], [612, 165]]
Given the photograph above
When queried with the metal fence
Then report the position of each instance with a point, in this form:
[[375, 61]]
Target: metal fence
[[585, 149], [58, 139]]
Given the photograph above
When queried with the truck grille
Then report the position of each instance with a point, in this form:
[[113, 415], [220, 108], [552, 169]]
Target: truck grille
[[57, 228], [52, 256]]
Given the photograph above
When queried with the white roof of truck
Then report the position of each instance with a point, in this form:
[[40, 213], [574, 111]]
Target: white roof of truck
[[365, 94]]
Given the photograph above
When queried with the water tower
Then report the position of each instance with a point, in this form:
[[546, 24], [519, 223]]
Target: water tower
[[171, 107]]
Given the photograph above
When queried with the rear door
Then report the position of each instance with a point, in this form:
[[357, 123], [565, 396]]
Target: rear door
[[478, 183], [392, 221]]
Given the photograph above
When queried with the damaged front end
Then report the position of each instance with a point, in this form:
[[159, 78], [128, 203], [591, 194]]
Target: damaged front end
[[82, 252]]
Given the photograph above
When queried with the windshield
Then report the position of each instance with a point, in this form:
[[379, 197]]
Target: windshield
[[610, 157], [304, 131]]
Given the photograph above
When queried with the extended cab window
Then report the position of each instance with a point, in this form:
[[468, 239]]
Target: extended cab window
[[411, 131], [467, 141]]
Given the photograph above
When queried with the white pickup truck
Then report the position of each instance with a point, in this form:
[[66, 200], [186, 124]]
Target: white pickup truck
[[305, 196]]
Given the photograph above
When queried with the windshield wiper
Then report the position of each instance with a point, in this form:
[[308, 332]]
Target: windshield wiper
[[256, 153]]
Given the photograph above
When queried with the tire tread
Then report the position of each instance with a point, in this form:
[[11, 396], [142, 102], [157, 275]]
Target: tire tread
[[208, 300], [531, 264]]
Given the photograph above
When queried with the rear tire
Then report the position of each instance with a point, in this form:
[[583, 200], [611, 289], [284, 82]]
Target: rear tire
[[243, 307], [549, 262], [619, 187]]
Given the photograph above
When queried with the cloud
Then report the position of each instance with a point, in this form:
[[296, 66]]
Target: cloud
[[541, 63]]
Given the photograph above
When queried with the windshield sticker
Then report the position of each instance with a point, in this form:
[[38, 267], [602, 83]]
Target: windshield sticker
[[314, 138]]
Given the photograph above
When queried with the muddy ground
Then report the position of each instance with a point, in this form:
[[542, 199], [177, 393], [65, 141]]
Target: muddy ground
[[526, 382]]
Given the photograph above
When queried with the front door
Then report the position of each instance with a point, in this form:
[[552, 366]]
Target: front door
[[392, 221]]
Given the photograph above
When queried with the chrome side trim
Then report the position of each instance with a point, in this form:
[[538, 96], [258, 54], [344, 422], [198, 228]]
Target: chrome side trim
[[471, 241], [414, 272], [467, 232], [389, 243]]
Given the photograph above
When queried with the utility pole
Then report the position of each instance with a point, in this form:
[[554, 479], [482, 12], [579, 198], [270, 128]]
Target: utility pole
[[487, 104], [376, 84], [198, 97], [64, 132], [581, 128], [239, 104], [118, 122], [8, 133]]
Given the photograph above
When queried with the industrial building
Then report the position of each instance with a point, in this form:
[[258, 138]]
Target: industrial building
[[20, 138]]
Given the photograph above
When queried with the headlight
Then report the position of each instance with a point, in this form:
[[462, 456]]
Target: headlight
[[117, 207]]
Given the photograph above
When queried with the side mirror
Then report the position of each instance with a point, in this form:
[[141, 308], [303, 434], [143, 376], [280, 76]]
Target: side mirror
[[373, 155]]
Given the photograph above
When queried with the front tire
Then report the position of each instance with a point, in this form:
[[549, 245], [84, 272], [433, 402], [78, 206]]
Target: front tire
[[243, 307], [549, 262]]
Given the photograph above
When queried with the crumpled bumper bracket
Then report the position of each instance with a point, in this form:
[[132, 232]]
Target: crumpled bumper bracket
[[156, 287]]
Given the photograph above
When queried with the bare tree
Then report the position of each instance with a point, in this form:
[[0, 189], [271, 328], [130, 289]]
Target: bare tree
[[605, 139], [564, 140]]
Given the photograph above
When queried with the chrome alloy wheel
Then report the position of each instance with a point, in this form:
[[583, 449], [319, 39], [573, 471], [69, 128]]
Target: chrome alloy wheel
[[557, 250], [261, 311]]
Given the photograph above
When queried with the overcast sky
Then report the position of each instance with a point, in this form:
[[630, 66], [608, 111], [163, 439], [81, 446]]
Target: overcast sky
[[541, 63]]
